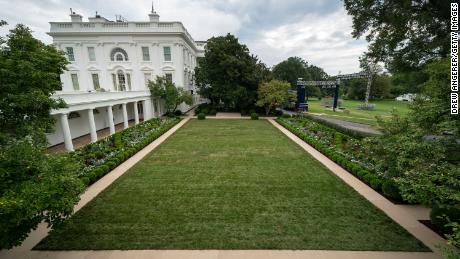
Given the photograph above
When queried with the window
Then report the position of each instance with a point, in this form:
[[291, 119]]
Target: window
[[147, 77], [91, 54], [96, 84], [128, 78], [114, 81], [167, 53], [119, 57], [121, 81], [75, 84], [70, 55], [168, 76], [118, 54], [145, 54]]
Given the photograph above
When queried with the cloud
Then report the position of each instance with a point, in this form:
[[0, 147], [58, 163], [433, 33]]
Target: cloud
[[316, 30], [323, 40]]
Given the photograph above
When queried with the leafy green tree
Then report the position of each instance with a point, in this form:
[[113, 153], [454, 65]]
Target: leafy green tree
[[173, 96], [34, 186], [228, 74], [404, 34], [421, 151], [273, 94], [29, 75], [293, 68]]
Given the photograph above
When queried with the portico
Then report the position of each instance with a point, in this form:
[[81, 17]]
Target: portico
[[78, 119]]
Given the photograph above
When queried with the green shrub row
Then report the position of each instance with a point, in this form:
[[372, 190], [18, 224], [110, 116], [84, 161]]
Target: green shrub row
[[385, 186], [101, 157]]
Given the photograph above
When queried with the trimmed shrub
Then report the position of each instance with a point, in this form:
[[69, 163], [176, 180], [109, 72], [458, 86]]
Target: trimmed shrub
[[440, 216], [376, 183], [254, 116], [362, 173], [391, 190], [201, 116]]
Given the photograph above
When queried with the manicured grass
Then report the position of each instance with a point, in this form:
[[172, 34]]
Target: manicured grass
[[230, 184], [382, 108]]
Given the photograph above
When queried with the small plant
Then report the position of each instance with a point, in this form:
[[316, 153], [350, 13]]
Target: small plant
[[441, 215], [254, 116], [201, 116], [391, 189]]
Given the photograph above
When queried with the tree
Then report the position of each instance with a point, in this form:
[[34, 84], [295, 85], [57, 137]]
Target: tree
[[228, 74], [29, 75], [273, 94], [34, 186], [404, 34], [293, 68], [173, 96], [426, 167]]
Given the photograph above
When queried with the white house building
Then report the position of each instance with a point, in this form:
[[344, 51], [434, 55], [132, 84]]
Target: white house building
[[111, 63]]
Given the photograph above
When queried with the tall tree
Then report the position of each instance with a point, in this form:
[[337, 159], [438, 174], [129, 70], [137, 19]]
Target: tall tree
[[228, 74], [291, 70], [404, 34], [34, 186], [29, 76]]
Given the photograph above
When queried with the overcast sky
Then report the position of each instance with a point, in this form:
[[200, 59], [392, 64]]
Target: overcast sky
[[319, 31]]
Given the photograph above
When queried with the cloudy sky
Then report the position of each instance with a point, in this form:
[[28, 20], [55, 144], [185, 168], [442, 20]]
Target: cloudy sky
[[317, 30]]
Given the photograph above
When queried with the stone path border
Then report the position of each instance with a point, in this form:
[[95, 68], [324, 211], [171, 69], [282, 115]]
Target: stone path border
[[403, 217], [24, 251]]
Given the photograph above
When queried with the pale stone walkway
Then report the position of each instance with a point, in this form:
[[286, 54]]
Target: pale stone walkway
[[405, 216]]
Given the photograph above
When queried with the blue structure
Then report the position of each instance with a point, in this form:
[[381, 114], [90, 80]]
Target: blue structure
[[301, 103]]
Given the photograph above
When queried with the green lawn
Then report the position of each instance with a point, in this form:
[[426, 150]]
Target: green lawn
[[382, 108], [230, 184]]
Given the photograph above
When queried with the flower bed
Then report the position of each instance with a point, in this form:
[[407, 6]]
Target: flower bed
[[101, 157], [343, 149]]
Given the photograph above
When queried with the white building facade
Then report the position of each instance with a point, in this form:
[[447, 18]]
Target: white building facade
[[111, 63]]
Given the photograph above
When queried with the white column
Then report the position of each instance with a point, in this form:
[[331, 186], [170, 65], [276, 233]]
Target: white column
[[145, 110], [110, 115], [153, 109], [66, 130], [125, 116], [136, 113], [92, 125]]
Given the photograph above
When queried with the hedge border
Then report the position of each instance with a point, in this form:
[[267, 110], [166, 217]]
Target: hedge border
[[101, 170]]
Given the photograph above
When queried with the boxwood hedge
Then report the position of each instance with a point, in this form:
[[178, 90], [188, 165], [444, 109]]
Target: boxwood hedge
[[101, 157]]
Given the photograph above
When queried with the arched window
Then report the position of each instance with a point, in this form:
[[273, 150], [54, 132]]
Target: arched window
[[118, 54]]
